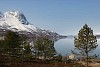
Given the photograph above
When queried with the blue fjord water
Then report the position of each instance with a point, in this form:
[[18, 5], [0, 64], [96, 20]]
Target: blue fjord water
[[64, 46]]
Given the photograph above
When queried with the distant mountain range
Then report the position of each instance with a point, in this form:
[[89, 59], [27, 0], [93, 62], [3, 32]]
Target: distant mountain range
[[73, 36], [17, 22], [97, 36]]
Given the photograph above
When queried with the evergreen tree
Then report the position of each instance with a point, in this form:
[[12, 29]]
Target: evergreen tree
[[27, 51], [51, 49], [86, 41], [44, 47], [1, 46], [12, 44], [15, 47]]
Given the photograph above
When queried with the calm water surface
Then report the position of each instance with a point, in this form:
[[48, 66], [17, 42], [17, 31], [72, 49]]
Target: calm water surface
[[64, 46]]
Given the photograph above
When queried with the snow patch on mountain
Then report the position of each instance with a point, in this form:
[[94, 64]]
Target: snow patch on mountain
[[18, 15], [16, 21]]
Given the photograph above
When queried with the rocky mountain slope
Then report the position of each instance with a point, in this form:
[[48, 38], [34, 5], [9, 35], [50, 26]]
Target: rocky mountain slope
[[17, 22]]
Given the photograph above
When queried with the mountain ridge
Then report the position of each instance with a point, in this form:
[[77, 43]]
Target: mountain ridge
[[16, 21]]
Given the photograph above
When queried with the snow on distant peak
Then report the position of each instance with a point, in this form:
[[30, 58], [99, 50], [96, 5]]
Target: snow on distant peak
[[13, 20], [17, 14], [16, 21]]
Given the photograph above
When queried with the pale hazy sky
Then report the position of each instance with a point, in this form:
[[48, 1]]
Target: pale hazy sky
[[62, 16]]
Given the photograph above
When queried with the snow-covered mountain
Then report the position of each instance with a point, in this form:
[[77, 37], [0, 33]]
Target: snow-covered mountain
[[16, 21]]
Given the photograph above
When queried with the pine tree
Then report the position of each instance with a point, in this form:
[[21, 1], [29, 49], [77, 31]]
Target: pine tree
[[86, 41], [27, 51], [12, 44], [44, 47]]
